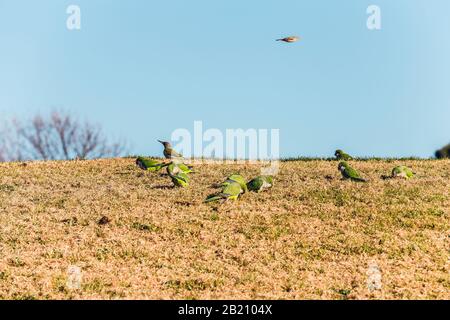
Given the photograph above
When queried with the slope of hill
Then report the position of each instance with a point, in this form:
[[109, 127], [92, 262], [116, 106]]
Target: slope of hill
[[312, 236]]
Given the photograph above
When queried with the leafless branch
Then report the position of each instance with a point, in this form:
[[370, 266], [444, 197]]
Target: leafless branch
[[57, 136]]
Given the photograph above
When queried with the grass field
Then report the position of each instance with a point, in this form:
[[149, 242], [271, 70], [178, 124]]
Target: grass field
[[312, 236]]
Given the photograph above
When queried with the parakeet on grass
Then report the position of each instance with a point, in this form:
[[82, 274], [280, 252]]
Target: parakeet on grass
[[149, 164], [349, 173], [260, 183], [176, 168], [229, 192], [402, 172], [341, 155], [180, 179], [235, 178]]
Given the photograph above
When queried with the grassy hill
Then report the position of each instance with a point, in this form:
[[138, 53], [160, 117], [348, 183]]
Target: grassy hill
[[312, 236]]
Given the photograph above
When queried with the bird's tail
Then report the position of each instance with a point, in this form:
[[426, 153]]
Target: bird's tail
[[217, 185], [359, 180], [216, 197]]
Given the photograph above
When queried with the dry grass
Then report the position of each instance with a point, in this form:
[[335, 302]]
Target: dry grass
[[311, 237]]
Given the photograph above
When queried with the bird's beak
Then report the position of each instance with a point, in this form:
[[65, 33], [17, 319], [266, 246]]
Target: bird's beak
[[161, 141]]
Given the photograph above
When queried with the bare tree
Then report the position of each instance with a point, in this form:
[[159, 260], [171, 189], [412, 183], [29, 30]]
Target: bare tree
[[9, 143], [57, 136]]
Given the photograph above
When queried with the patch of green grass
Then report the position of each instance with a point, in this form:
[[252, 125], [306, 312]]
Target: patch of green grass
[[214, 217], [59, 284], [102, 254], [191, 284], [307, 251], [96, 285], [6, 188], [146, 227], [53, 254], [344, 293], [23, 296], [16, 262], [338, 197]]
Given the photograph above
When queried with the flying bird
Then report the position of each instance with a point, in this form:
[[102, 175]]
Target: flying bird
[[289, 39], [349, 173]]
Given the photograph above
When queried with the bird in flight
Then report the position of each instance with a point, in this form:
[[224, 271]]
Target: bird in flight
[[289, 39]]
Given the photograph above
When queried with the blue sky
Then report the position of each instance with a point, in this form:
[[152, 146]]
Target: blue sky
[[144, 68]]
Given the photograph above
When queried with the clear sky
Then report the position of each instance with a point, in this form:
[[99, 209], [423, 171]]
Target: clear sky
[[143, 68]]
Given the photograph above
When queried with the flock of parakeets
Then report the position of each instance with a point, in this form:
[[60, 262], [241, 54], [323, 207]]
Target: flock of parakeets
[[236, 185], [349, 173]]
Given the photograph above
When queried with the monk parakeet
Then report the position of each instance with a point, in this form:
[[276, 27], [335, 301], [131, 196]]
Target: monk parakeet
[[349, 173], [341, 155], [289, 39], [169, 153], [260, 183], [229, 192], [180, 179], [402, 172], [235, 178], [149, 164], [176, 168]]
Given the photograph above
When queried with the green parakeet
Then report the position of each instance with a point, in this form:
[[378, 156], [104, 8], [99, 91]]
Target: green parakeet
[[149, 164], [180, 180], [169, 153], [349, 173], [176, 168], [235, 178], [341, 155], [260, 183], [402, 172], [229, 192]]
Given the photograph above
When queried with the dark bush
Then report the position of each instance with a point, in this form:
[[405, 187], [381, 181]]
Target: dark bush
[[443, 153]]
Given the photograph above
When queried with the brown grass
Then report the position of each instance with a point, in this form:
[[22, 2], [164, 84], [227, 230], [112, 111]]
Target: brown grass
[[310, 237]]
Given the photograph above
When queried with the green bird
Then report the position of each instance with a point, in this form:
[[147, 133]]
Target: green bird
[[231, 191], [402, 172], [260, 183], [149, 164], [168, 152], [349, 173], [235, 178], [341, 155], [176, 168], [179, 179]]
